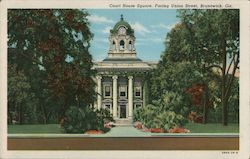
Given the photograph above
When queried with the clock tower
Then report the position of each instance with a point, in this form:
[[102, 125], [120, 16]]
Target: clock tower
[[122, 41]]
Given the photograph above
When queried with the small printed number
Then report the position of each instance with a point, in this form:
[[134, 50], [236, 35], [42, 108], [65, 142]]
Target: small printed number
[[230, 152]]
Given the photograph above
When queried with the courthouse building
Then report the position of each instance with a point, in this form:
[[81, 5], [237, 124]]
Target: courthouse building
[[121, 84]]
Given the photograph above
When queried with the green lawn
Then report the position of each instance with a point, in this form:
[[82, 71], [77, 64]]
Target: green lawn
[[55, 129], [35, 129], [212, 128]]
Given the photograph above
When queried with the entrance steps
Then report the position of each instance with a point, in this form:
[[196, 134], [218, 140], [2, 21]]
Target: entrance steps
[[123, 122]]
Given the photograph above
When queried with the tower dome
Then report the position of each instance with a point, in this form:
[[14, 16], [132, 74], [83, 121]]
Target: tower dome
[[122, 23]]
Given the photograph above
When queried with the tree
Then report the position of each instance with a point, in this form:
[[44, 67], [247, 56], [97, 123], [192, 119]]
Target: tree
[[174, 73], [203, 46], [18, 94], [213, 41], [51, 47]]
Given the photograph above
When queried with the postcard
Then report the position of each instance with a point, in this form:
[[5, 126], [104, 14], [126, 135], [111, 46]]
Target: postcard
[[124, 79]]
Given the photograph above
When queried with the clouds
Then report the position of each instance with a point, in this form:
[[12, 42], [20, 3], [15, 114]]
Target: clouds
[[147, 41], [99, 56], [99, 19], [150, 30], [157, 40], [163, 26], [145, 30], [101, 40], [140, 28], [106, 30], [102, 22]]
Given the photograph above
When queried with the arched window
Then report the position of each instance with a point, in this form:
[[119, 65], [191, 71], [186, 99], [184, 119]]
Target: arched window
[[113, 45], [130, 45], [122, 45]]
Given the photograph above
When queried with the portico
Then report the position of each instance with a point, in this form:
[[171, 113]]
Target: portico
[[122, 103]]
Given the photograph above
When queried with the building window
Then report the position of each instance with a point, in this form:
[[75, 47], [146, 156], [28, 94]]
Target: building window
[[122, 45], [107, 91], [130, 45], [107, 106], [136, 106], [123, 91], [113, 46], [137, 91]]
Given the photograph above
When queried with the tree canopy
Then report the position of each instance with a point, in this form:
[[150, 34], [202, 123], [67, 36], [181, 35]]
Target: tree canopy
[[50, 46], [203, 48], [213, 42]]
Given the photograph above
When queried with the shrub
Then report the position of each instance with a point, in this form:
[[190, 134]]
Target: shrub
[[167, 120], [103, 117], [137, 114], [80, 120], [172, 101], [77, 120], [153, 117], [215, 114]]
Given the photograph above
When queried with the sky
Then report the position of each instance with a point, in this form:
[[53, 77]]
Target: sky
[[150, 27]]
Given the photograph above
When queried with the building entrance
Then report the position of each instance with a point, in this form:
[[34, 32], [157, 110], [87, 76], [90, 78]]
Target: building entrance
[[123, 111]]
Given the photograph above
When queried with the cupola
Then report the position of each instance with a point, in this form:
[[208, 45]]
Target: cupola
[[122, 40]]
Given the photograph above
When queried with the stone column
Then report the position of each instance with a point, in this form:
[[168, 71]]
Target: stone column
[[115, 96], [95, 102], [145, 93], [117, 44], [126, 44], [130, 96], [99, 92]]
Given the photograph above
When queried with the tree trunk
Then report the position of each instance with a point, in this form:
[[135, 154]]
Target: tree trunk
[[45, 116], [63, 110], [223, 83], [9, 115], [228, 86], [227, 95], [205, 104], [20, 114]]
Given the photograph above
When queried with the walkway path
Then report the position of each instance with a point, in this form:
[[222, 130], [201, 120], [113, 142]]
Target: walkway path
[[124, 131]]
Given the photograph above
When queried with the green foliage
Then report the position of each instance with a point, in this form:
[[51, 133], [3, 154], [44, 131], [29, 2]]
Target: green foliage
[[193, 55], [155, 117], [18, 94], [50, 47], [168, 119], [18, 86], [175, 102], [74, 120], [169, 83], [197, 26], [215, 114], [104, 115], [137, 114], [233, 103], [173, 77], [79, 120], [218, 51]]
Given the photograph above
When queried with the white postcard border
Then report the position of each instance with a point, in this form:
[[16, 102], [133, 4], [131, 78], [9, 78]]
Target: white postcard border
[[94, 4]]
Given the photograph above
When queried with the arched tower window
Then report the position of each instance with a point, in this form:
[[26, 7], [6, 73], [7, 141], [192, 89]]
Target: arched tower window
[[122, 45], [113, 45], [130, 45]]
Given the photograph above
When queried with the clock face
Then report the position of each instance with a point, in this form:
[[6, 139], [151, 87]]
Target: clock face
[[122, 31]]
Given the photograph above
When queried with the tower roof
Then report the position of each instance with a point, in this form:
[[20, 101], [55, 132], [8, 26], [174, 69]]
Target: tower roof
[[122, 22]]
